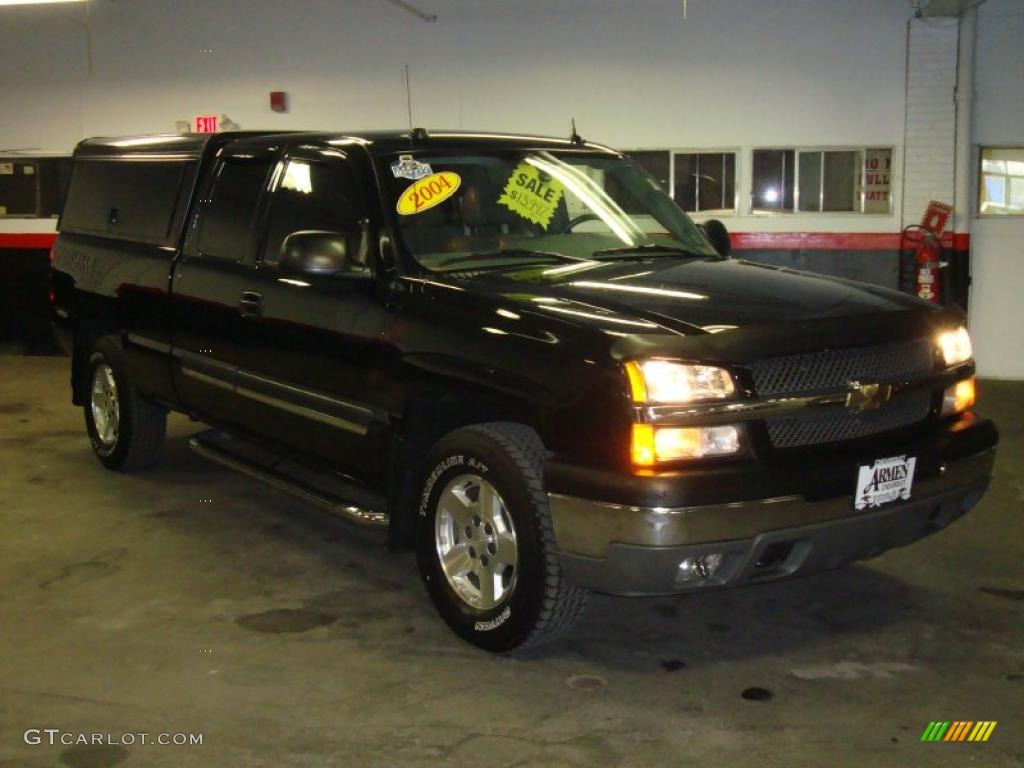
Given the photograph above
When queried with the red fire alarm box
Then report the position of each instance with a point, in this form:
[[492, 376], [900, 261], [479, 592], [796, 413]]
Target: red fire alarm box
[[278, 101]]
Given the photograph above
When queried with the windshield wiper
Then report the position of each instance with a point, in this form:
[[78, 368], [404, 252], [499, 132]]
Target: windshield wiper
[[650, 248], [510, 253]]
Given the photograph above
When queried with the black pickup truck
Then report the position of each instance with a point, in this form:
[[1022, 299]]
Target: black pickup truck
[[515, 352]]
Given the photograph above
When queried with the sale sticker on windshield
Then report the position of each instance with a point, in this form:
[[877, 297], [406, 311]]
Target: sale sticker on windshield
[[424, 194], [532, 194]]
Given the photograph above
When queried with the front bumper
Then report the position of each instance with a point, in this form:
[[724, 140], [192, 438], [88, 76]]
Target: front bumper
[[637, 549]]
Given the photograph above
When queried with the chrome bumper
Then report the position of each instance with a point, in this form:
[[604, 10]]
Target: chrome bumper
[[637, 550]]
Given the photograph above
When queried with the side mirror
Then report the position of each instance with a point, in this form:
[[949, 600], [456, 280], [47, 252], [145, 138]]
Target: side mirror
[[718, 236], [314, 252]]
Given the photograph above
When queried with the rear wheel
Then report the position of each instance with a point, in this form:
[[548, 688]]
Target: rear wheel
[[484, 541], [126, 431]]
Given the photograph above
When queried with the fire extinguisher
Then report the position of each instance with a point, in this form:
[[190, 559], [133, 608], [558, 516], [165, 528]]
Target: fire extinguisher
[[927, 262]]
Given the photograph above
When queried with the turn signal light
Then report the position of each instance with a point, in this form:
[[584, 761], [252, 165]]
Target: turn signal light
[[958, 398], [643, 445]]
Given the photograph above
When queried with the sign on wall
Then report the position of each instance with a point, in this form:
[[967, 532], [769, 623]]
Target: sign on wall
[[206, 124], [877, 180]]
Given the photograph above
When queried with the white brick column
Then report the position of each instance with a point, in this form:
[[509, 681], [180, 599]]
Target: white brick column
[[930, 127]]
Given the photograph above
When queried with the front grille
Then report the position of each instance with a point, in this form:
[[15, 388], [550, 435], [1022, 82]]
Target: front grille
[[844, 424], [834, 368]]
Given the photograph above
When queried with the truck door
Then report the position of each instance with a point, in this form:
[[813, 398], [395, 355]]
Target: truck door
[[312, 360], [212, 302]]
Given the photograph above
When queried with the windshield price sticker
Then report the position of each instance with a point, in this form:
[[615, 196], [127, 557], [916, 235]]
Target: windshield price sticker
[[884, 481], [424, 194], [408, 168], [532, 194]]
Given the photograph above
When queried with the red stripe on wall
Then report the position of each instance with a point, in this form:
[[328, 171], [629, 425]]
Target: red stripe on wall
[[741, 241], [816, 241], [41, 240]]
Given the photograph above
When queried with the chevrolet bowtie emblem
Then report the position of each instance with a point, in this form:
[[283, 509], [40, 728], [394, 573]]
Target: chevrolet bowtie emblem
[[867, 397]]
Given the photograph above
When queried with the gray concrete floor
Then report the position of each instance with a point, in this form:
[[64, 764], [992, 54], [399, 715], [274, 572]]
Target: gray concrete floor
[[190, 599]]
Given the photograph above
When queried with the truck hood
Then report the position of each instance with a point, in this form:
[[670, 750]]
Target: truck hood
[[691, 295]]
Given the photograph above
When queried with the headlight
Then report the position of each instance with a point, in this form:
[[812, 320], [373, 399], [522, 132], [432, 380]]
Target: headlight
[[956, 346], [663, 381]]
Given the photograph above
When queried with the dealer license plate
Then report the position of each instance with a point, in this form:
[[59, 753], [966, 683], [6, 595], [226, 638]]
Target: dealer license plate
[[885, 481]]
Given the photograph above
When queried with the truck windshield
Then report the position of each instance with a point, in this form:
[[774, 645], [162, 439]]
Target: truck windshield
[[515, 207]]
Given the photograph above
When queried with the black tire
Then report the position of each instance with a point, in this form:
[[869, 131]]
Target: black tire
[[141, 425], [540, 604]]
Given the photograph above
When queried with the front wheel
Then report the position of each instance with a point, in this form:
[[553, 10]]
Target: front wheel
[[484, 542], [126, 431]]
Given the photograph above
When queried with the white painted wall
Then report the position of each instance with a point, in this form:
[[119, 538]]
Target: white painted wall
[[997, 299], [734, 74]]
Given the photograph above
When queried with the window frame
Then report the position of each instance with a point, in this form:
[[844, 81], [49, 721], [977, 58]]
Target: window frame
[[978, 214], [46, 172], [38, 197], [276, 179], [735, 152], [795, 181], [717, 150], [255, 224]]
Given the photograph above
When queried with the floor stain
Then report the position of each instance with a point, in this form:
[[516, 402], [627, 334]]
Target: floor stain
[[669, 611], [102, 565], [673, 665], [1009, 594], [757, 694], [281, 620], [853, 670], [28, 441], [94, 756], [7, 409], [1013, 677], [719, 628], [585, 682]]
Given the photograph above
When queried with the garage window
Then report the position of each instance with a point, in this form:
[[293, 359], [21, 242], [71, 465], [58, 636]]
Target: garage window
[[657, 162], [33, 187], [1002, 181], [705, 181], [822, 180]]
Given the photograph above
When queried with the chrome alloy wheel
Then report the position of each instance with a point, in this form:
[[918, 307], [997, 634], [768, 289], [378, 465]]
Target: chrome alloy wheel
[[106, 412], [476, 541]]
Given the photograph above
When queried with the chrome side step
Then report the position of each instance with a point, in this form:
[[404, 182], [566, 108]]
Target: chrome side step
[[322, 489]]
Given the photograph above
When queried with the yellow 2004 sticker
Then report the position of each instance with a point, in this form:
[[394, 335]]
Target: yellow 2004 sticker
[[427, 192], [532, 194]]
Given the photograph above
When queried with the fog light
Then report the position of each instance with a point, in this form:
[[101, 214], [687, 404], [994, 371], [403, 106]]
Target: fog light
[[652, 444], [695, 442], [958, 398], [699, 567]]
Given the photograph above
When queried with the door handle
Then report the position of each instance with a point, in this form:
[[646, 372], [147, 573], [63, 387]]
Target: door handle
[[250, 304]]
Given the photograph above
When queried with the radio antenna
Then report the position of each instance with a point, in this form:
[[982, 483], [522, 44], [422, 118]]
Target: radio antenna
[[408, 93], [574, 137]]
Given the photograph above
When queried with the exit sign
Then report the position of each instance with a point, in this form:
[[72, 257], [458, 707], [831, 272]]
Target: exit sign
[[206, 124]]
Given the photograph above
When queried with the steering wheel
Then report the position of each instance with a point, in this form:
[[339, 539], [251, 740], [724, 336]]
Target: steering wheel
[[573, 223]]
